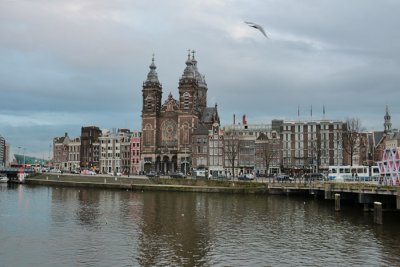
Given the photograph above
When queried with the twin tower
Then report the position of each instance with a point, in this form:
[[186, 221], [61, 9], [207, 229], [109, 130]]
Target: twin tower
[[168, 128]]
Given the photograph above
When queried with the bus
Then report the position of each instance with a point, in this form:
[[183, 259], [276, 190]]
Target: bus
[[353, 173]]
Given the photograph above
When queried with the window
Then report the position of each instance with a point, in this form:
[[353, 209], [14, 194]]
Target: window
[[186, 97], [149, 103]]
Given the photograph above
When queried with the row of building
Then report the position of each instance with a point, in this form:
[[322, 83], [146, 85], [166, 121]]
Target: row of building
[[263, 149], [184, 134], [100, 150]]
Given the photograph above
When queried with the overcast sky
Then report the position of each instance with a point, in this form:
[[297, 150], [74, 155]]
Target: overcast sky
[[70, 63]]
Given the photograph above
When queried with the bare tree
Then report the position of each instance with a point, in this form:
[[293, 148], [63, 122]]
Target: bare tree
[[268, 152], [351, 137], [231, 150]]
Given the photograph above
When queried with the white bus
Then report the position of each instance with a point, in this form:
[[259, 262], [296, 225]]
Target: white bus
[[353, 173]]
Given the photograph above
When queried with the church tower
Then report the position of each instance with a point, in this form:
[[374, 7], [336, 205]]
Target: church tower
[[152, 94], [168, 129], [202, 86], [387, 125], [188, 89]]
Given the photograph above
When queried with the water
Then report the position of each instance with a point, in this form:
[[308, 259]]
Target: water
[[49, 226]]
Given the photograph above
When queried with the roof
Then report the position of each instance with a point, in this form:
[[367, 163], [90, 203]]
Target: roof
[[378, 136], [29, 160], [262, 136], [201, 130], [210, 115]]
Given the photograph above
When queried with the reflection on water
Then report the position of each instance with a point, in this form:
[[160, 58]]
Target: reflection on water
[[49, 226]]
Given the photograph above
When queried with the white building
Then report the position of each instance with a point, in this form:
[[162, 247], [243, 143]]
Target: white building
[[74, 152], [115, 151]]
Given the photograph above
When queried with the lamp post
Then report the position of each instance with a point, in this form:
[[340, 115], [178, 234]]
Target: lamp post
[[185, 141], [185, 159], [23, 149]]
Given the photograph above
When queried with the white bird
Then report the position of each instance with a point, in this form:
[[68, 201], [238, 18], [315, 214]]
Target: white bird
[[256, 26]]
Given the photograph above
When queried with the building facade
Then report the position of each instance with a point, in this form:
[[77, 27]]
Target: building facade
[[268, 149], [115, 151], [60, 152], [66, 153], [216, 152], [74, 152], [2, 151], [239, 147], [167, 128], [135, 146], [8, 155], [310, 146], [90, 147]]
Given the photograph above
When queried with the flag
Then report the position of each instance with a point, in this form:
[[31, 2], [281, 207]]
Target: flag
[[323, 110], [311, 111], [298, 111]]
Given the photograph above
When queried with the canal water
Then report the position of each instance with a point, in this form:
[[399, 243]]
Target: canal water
[[50, 226]]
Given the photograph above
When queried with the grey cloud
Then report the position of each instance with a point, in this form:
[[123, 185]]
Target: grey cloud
[[85, 61]]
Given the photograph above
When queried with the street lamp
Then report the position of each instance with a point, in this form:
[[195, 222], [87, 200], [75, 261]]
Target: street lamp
[[23, 149], [185, 141]]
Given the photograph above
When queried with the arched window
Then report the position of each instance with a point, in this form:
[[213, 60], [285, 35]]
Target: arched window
[[149, 103], [186, 97], [147, 135]]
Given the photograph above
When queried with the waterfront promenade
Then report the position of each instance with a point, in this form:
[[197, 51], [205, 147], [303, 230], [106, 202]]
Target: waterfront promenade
[[359, 192]]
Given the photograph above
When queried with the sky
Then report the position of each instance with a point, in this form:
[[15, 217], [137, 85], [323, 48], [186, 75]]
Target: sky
[[69, 63]]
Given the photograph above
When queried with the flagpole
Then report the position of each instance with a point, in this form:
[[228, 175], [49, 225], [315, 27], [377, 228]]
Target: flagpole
[[298, 112]]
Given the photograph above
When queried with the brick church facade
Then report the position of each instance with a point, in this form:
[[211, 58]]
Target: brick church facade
[[168, 128]]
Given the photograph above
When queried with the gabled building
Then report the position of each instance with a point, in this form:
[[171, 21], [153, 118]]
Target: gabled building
[[378, 141], [135, 146], [60, 152], [216, 152], [90, 147], [66, 153], [74, 154]]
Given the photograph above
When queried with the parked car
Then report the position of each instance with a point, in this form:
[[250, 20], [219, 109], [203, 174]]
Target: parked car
[[152, 174], [246, 177], [177, 175], [283, 177]]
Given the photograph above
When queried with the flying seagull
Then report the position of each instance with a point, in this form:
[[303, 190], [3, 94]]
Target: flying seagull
[[258, 27]]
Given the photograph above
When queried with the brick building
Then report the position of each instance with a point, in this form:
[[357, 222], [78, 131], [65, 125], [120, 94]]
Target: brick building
[[167, 129]]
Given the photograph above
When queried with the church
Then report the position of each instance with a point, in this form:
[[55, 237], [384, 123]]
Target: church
[[169, 128]]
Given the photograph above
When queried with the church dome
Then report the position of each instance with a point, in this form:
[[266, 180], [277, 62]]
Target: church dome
[[199, 77], [189, 71], [152, 75]]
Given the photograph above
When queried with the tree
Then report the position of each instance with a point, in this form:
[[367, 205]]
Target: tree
[[268, 150], [231, 149], [351, 137]]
